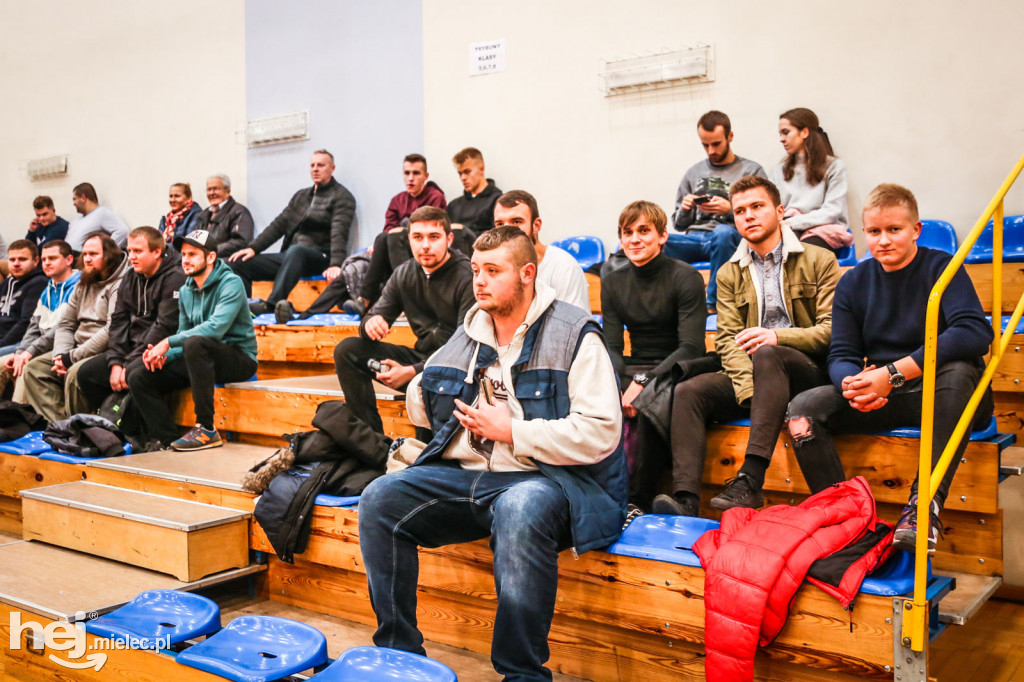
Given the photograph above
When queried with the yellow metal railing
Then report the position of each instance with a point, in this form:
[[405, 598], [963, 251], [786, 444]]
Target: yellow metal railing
[[915, 620]]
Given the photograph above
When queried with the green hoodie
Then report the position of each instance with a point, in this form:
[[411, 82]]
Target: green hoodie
[[218, 310]]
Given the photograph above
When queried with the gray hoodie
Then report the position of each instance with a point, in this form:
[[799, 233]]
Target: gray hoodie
[[84, 328]]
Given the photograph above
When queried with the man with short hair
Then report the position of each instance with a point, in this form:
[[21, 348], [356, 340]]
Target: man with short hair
[[83, 330], [420, 190], [877, 355], [556, 267], [214, 344], [47, 225], [93, 218], [474, 210], [703, 212], [434, 290], [57, 264], [19, 293], [146, 312], [774, 325], [533, 459], [227, 221], [315, 227]]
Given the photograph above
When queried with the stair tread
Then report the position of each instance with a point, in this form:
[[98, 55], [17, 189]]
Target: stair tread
[[59, 583], [325, 384], [221, 467], [157, 510], [1011, 461], [971, 593]]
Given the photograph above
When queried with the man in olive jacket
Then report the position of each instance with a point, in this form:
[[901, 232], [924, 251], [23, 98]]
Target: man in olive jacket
[[775, 324]]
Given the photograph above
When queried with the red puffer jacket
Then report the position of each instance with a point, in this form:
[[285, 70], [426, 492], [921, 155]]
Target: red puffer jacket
[[757, 560]]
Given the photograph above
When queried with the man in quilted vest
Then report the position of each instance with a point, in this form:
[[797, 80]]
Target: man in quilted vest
[[524, 405]]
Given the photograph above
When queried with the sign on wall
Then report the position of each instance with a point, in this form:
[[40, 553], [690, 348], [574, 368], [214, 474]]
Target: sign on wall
[[487, 57]]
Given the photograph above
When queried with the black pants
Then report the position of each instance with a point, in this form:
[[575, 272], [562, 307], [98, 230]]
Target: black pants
[[94, 380], [779, 373], [356, 380], [829, 413], [818, 241], [205, 362], [335, 294], [285, 269]]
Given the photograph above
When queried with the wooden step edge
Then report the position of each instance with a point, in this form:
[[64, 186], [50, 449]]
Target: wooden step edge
[[1011, 461], [971, 593], [48, 494]]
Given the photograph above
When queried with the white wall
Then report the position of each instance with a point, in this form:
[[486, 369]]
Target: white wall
[[138, 94], [921, 93]]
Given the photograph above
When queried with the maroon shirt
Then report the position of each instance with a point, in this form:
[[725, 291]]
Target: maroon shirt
[[403, 204]]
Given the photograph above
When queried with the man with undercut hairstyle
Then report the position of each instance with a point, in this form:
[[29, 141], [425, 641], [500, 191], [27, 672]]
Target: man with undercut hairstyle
[[474, 210], [703, 212], [555, 267], [146, 312], [83, 330], [315, 227], [524, 406], [877, 355], [19, 293], [227, 221], [774, 325], [434, 290], [47, 225], [93, 218]]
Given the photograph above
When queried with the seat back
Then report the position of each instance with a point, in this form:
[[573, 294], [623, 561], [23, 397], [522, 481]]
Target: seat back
[[939, 235], [154, 615], [847, 256], [380, 664], [1013, 242], [586, 250]]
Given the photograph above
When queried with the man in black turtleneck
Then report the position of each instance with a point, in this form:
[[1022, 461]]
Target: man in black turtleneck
[[315, 227], [434, 290]]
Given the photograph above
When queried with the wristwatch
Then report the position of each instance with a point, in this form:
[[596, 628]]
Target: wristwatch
[[641, 378], [896, 378]]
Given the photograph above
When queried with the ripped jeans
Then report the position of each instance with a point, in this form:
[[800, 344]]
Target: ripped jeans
[[828, 413], [526, 516]]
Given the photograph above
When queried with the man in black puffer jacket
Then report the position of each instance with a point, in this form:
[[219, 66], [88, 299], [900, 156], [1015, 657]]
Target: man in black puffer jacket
[[146, 312], [315, 227]]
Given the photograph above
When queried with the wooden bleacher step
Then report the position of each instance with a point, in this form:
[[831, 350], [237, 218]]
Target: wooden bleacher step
[[971, 593], [188, 540], [1011, 461], [216, 468]]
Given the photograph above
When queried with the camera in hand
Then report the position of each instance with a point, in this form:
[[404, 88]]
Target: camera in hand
[[374, 366]]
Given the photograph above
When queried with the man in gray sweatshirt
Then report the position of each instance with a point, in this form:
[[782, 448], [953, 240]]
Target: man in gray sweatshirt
[[83, 330], [703, 212]]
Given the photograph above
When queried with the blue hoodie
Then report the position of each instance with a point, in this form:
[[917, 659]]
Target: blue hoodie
[[42, 327], [219, 310]]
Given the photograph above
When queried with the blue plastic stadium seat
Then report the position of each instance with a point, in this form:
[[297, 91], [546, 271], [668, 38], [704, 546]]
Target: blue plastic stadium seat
[[325, 320], [1013, 242], [702, 265], [314, 278], [1005, 323], [31, 443], [938, 235], [158, 614], [712, 323], [380, 664], [336, 501], [663, 538], [258, 649], [586, 250], [847, 256], [75, 459], [894, 577], [990, 431], [264, 319]]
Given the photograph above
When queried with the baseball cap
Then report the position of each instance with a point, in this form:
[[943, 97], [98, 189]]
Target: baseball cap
[[201, 239]]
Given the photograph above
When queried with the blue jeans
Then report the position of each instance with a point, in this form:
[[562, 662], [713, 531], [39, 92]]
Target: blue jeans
[[715, 246], [7, 350], [526, 516]]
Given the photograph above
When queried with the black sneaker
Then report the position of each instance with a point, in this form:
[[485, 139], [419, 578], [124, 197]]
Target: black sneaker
[[258, 306], [354, 306], [284, 311], [666, 504], [632, 511], [905, 536], [739, 492]]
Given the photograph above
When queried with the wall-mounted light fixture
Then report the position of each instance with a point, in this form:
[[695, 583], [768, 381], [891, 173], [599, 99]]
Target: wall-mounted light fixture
[[277, 129], [663, 69], [48, 167]]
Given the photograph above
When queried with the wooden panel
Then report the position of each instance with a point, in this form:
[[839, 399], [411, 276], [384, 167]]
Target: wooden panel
[[1013, 284], [594, 288], [18, 472], [889, 464], [281, 343], [10, 515], [302, 296], [1010, 373], [186, 555], [233, 499], [1010, 413]]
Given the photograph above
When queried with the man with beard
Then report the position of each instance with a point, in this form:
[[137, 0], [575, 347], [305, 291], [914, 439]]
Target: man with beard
[[83, 330], [434, 290], [19, 293], [146, 311], [556, 267], [532, 460], [703, 212], [214, 344]]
